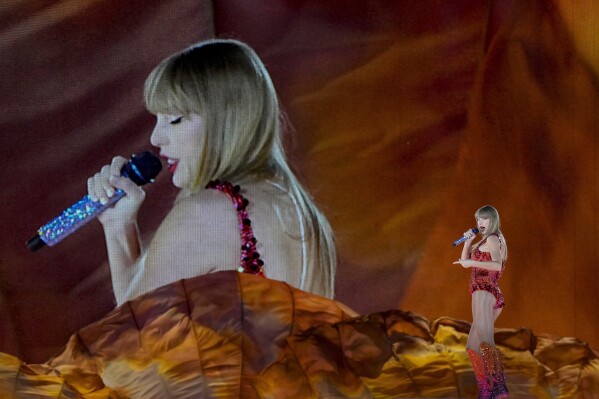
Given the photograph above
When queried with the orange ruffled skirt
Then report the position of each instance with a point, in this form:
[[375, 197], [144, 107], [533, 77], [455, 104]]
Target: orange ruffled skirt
[[232, 335]]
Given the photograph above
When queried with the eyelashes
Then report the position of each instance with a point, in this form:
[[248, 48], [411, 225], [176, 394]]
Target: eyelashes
[[176, 120]]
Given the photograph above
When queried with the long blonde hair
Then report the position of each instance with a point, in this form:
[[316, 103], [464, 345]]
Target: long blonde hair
[[489, 212], [226, 82]]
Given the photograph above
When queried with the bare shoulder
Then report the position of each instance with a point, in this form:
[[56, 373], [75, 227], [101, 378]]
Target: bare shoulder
[[207, 212], [193, 214], [192, 227], [197, 207], [493, 240], [489, 244]]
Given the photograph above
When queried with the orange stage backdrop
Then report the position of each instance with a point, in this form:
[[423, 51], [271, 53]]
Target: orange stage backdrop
[[407, 116]]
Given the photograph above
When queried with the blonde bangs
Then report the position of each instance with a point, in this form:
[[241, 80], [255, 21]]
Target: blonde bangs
[[485, 212], [164, 94]]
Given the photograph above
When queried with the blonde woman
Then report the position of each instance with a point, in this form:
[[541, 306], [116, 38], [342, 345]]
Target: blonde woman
[[487, 260], [240, 206]]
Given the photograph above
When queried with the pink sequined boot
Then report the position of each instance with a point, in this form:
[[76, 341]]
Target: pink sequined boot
[[494, 367], [482, 380]]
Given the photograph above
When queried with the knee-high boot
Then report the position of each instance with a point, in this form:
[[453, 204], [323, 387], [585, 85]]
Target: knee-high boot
[[482, 380], [494, 366]]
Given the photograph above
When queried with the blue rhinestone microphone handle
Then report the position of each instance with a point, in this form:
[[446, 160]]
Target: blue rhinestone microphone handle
[[142, 169], [462, 239], [72, 218]]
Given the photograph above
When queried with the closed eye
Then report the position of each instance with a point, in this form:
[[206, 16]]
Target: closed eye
[[176, 120]]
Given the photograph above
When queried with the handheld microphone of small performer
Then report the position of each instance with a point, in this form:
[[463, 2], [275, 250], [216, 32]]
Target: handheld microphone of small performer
[[464, 238], [141, 169]]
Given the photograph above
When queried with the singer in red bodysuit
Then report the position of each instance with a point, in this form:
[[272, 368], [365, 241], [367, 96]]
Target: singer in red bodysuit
[[484, 279], [487, 260]]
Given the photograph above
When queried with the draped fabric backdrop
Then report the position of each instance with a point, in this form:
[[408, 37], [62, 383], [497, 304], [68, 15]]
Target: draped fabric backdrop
[[406, 117]]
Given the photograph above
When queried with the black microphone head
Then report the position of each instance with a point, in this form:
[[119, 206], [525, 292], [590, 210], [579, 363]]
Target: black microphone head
[[142, 168], [475, 230]]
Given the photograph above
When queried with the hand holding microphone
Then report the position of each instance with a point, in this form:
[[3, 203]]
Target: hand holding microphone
[[110, 182], [106, 188], [470, 234]]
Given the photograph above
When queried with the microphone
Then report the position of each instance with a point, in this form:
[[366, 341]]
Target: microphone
[[141, 169], [463, 238]]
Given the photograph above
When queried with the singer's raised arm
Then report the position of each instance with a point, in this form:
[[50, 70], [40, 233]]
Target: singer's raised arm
[[121, 232]]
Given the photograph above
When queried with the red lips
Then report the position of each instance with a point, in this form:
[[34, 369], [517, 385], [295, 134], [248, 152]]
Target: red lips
[[172, 167], [171, 163]]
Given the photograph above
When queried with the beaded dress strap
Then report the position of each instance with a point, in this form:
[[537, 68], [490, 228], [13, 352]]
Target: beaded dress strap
[[250, 258]]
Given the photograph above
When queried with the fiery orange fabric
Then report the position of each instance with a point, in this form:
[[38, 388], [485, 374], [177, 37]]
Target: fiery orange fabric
[[232, 335], [396, 106]]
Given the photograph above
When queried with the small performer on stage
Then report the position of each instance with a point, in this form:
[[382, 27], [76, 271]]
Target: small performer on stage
[[240, 206], [487, 260]]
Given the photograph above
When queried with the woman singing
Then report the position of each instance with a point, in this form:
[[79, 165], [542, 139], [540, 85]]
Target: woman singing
[[240, 206], [487, 260]]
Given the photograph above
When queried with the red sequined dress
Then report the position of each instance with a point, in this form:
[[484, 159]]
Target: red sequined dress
[[487, 280]]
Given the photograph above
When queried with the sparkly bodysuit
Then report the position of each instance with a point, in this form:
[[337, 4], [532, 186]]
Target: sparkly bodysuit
[[486, 280]]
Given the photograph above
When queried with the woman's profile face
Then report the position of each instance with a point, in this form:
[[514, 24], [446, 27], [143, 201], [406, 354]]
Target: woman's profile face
[[180, 140], [483, 224]]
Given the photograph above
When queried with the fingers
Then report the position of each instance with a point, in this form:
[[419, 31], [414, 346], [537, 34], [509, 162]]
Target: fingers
[[133, 191], [99, 187], [117, 165], [103, 185]]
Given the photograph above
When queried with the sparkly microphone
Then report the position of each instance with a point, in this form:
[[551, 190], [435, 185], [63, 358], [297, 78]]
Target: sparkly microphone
[[464, 238], [141, 169]]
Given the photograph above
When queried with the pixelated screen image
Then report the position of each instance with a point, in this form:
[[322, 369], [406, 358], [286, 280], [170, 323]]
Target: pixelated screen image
[[404, 117]]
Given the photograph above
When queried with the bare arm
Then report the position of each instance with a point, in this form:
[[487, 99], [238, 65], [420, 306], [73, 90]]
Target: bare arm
[[495, 263], [466, 249], [119, 222], [124, 249], [467, 244]]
